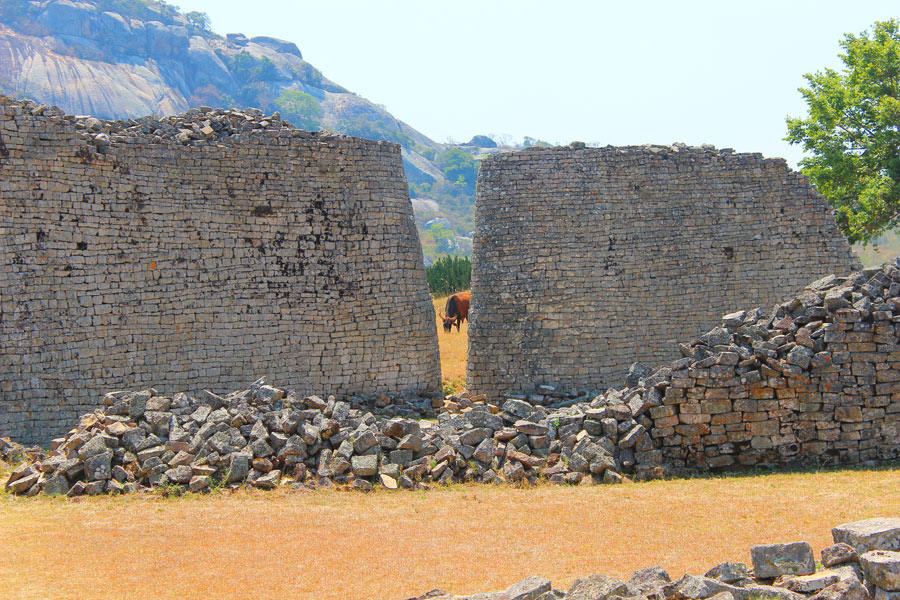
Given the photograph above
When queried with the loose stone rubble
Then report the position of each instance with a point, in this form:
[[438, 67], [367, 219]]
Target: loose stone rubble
[[816, 379], [264, 436], [779, 572], [202, 124]]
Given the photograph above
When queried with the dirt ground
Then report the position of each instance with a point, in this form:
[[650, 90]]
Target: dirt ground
[[393, 545]]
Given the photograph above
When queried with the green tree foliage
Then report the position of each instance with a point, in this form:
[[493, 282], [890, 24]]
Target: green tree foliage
[[369, 127], [199, 21], [449, 275], [428, 153], [459, 168], [309, 75], [528, 142], [247, 69], [853, 132], [443, 237], [300, 108]]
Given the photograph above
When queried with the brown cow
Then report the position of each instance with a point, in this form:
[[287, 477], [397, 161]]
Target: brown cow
[[457, 310]]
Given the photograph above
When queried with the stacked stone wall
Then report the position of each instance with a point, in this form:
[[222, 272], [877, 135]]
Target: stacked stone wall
[[587, 260], [815, 382], [139, 253]]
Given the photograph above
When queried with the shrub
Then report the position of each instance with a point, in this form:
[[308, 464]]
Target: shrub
[[449, 275]]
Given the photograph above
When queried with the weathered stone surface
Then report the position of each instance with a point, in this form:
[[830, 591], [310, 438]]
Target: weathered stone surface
[[22, 484], [728, 572], [92, 447], [774, 560], [57, 485], [485, 451], [649, 578], [529, 428], [848, 589], [182, 474], [693, 587], [199, 483], [238, 468], [808, 584], [364, 466], [527, 589], [870, 534], [618, 211], [838, 554], [98, 467], [269, 481], [597, 587], [764, 592], [881, 594], [882, 568]]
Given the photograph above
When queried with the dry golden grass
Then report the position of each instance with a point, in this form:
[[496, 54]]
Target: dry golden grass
[[393, 545], [454, 347]]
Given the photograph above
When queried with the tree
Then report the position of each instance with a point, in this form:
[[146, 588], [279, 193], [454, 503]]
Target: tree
[[448, 275], [853, 132], [300, 108], [199, 21], [459, 168], [528, 142]]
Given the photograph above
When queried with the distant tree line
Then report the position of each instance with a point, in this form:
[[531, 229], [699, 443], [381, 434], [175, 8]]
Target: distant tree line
[[449, 275]]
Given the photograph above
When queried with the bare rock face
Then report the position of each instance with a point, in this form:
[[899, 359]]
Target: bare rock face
[[33, 67], [68, 18], [281, 46]]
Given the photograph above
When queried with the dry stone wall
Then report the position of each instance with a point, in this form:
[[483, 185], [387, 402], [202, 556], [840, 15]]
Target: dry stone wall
[[816, 381], [587, 260], [206, 249]]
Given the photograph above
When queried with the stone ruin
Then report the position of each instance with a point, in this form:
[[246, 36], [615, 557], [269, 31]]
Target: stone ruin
[[815, 380], [210, 248], [589, 259], [862, 564], [199, 250]]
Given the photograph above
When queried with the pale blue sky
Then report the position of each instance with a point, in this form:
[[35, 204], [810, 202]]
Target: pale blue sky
[[625, 72]]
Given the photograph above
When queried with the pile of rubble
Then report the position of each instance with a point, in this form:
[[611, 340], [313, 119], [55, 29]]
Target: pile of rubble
[[13, 452], [265, 436], [197, 125], [813, 380], [863, 564]]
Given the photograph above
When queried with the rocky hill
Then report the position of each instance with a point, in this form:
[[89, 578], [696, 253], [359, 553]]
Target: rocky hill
[[129, 58]]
